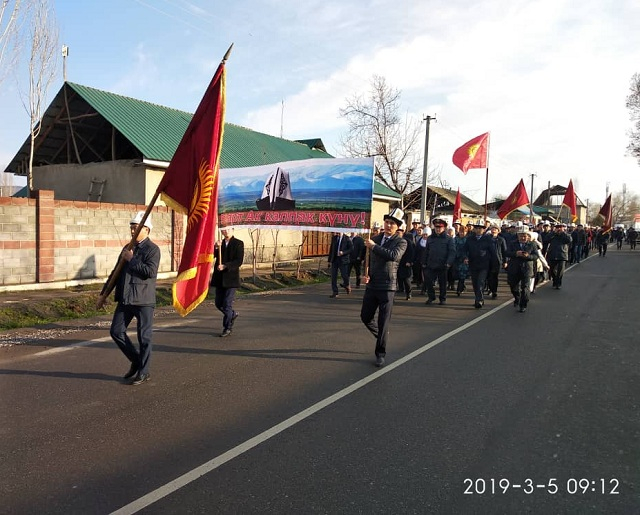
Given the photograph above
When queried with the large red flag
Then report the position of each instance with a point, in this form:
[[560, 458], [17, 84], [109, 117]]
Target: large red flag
[[457, 207], [517, 198], [606, 214], [473, 154], [569, 200], [190, 186]]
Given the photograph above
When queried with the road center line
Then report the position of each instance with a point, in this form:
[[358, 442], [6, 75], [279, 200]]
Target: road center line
[[216, 462]]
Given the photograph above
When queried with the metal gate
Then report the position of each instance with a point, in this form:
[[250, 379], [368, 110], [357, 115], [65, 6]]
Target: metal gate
[[316, 243]]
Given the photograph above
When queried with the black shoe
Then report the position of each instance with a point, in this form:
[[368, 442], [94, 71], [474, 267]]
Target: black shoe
[[233, 318], [477, 305], [132, 371], [333, 296], [408, 297], [494, 295], [379, 361], [225, 333], [522, 309], [430, 301], [442, 302], [141, 378]]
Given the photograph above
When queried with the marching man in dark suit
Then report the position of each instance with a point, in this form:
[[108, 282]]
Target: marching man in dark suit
[[339, 257], [226, 276], [136, 298], [385, 251]]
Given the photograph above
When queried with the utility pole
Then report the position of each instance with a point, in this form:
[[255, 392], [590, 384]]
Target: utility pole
[[531, 200], [423, 205], [65, 54]]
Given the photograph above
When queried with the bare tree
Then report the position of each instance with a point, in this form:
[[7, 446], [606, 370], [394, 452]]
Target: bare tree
[[10, 19], [376, 129], [43, 68], [624, 206], [633, 104]]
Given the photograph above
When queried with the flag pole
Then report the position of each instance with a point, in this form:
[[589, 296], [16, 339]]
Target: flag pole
[[486, 182], [486, 190], [216, 229]]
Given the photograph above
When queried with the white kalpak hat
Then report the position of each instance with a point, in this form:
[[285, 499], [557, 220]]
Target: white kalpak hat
[[136, 220]]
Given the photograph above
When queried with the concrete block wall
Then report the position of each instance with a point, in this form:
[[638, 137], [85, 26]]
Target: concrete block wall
[[46, 240], [17, 240]]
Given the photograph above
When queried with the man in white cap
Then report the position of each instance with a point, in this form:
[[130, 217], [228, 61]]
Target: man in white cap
[[136, 298], [520, 269], [385, 252]]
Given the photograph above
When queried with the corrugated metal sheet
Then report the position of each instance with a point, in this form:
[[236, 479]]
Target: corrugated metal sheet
[[156, 131]]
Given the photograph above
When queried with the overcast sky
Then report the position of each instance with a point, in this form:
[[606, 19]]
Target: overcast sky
[[547, 78]]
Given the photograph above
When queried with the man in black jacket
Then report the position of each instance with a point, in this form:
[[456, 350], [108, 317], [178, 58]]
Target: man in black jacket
[[385, 251], [229, 255], [520, 269], [136, 297], [558, 254], [497, 260], [479, 251], [438, 256], [339, 257]]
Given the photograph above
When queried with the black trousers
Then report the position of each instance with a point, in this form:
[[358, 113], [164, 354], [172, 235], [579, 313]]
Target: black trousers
[[493, 278], [382, 301], [430, 276], [357, 266], [343, 268], [224, 303], [556, 271], [478, 278], [519, 283], [122, 317]]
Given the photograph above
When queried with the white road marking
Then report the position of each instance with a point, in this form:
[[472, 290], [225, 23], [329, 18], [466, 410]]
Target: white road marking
[[216, 462]]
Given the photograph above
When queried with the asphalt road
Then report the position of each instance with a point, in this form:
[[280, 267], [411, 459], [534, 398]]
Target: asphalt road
[[478, 411]]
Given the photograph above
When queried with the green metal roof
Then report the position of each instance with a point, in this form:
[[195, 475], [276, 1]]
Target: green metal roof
[[156, 131], [381, 189]]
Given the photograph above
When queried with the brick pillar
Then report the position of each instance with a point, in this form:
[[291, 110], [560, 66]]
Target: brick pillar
[[45, 236]]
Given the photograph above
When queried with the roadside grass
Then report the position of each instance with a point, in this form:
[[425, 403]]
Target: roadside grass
[[79, 302]]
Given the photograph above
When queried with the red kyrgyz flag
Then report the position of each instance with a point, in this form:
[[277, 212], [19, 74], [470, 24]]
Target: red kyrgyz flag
[[473, 154], [517, 198], [457, 207], [607, 215], [569, 200], [190, 186]]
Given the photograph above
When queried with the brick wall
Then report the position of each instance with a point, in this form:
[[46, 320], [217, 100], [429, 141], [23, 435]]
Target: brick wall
[[46, 240]]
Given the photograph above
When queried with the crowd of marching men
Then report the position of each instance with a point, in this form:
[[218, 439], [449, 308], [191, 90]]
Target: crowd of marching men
[[442, 260]]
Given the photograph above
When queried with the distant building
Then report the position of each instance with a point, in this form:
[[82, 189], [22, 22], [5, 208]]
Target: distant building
[[551, 200]]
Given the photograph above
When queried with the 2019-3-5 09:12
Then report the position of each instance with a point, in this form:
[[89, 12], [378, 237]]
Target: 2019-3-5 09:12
[[572, 486]]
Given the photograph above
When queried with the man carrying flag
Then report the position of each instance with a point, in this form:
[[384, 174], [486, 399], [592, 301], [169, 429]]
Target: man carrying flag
[[226, 277]]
